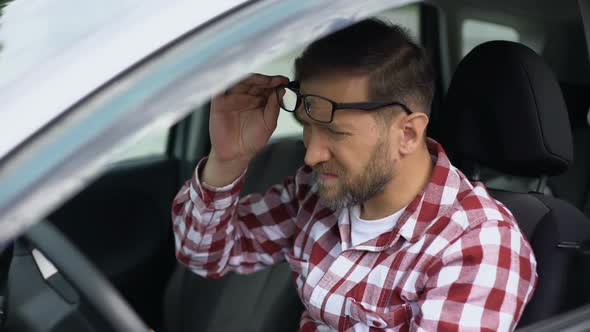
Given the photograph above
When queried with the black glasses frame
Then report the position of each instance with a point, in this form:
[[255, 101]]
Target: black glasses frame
[[365, 106]]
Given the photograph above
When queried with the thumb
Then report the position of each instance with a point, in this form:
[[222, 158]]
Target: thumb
[[271, 110]]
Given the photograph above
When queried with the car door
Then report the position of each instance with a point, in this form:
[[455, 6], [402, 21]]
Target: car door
[[121, 222]]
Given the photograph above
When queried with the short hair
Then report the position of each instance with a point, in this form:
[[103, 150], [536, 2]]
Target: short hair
[[397, 68]]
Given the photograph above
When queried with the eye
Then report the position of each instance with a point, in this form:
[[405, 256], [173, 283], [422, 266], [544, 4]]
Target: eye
[[334, 132]]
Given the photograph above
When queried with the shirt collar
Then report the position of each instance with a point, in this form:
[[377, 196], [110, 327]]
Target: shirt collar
[[432, 202]]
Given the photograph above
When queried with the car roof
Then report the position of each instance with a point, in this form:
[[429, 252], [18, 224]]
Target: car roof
[[46, 49]]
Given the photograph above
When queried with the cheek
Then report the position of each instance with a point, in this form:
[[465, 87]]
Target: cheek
[[351, 158], [355, 156]]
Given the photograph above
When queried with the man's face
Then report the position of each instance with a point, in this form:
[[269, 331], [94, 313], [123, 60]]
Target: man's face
[[353, 157]]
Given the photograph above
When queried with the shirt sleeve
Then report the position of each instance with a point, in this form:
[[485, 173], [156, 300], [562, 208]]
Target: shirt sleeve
[[215, 231], [482, 282]]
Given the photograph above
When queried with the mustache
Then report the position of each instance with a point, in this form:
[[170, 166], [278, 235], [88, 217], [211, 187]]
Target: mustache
[[323, 168]]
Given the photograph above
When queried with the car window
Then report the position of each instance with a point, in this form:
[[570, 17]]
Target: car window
[[475, 32], [407, 16], [152, 144], [163, 88]]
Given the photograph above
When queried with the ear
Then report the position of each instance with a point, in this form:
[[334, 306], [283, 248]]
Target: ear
[[413, 131]]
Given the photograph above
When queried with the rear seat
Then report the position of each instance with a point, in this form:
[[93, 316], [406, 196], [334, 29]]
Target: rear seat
[[574, 185]]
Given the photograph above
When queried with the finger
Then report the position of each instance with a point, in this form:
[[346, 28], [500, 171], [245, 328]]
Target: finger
[[238, 88], [242, 102], [261, 80], [258, 79], [257, 82], [271, 111], [279, 80], [257, 91], [245, 88]]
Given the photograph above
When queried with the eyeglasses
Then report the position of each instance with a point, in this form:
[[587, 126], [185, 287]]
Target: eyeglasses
[[322, 109]]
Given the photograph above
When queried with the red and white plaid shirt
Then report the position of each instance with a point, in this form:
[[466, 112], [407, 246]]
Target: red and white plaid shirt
[[456, 260]]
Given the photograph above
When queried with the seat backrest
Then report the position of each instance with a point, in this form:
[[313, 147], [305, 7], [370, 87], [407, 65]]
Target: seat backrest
[[263, 301], [557, 232], [574, 185], [504, 111]]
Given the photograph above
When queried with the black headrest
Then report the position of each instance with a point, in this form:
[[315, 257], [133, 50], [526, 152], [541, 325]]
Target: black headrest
[[504, 110]]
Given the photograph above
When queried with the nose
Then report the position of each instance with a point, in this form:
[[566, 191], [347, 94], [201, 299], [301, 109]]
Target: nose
[[317, 150]]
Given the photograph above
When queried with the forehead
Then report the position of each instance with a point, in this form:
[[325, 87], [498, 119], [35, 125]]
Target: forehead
[[339, 88]]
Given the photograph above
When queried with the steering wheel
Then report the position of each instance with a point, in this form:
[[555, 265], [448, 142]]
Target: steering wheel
[[85, 278]]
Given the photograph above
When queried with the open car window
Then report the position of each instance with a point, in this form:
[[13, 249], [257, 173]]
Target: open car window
[[63, 157]]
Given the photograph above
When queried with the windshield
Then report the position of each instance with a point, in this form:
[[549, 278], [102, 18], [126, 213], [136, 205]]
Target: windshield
[[36, 30]]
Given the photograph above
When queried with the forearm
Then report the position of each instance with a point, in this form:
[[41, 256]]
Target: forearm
[[220, 173], [202, 225], [216, 232]]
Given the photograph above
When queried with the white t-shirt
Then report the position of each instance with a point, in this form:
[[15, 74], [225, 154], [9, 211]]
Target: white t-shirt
[[363, 230]]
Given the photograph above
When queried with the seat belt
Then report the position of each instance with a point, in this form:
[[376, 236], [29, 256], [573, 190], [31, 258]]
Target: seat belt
[[585, 12]]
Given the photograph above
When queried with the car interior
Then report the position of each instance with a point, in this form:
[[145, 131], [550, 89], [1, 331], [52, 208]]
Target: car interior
[[511, 109]]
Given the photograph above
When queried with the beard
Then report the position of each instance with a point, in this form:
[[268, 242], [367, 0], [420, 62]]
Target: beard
[[348, 191]]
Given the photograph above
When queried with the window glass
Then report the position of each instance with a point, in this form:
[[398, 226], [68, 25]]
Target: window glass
[[407, 16], [155, 142], [475, 32], [286, 124], [152, 144]]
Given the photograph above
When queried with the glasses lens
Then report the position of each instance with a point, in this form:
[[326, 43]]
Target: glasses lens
[[318, 108], [289, 100]]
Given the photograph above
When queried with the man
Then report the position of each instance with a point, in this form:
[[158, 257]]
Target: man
[[379, 228]]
